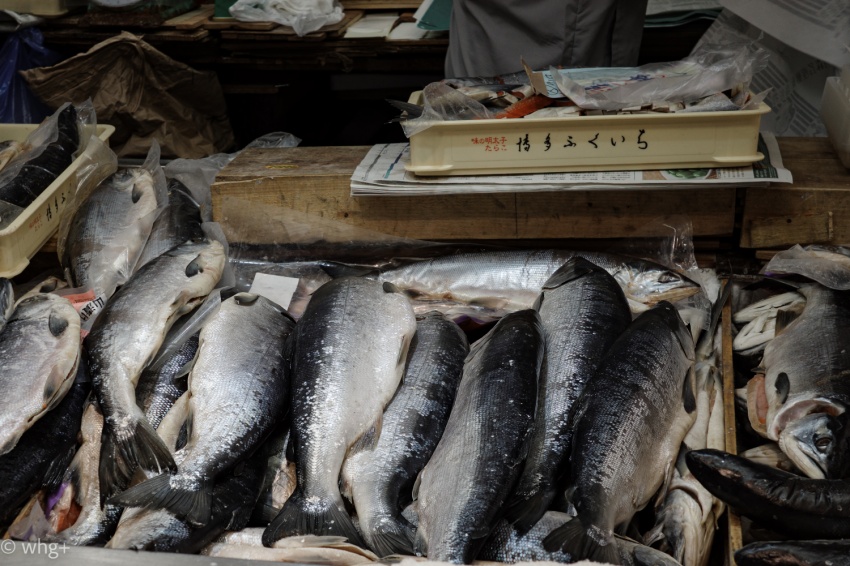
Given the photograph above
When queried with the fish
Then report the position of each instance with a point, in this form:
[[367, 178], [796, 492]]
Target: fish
[[305, 549], [792, 505], [278, 480], [9, 150], [39, 353], [508, 281], [44, 451], [583, 311], [348, 353], [222, 433], [485, 441], [108, 232], [819, 445], [77, 518], [795, 553], [7, 302], [507, 545], [40, 171], [157, 390], [771, 455], [381, 480], [124, 339], [178, 223], [630, 421], [159, 530], [805, 372], [50, 284], [524, 107]]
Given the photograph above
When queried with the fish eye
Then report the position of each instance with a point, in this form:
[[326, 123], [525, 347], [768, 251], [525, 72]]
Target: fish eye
[[668, 278], [823, 444]]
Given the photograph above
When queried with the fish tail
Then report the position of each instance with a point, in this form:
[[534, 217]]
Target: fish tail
[[394, 537], [302, 517], [114, 473], [139, 444], [574, 539], [524, 511], [195, 505]]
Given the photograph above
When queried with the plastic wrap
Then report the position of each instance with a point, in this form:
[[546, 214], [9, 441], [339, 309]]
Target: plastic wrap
[[711, 69], [275, 140], [198, 175], [303, 16], [444, 103]]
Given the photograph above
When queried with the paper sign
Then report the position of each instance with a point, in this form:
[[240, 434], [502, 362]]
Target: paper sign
[[275, 288]]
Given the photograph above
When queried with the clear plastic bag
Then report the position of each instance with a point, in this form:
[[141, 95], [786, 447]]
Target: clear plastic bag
[[275, 140], [828, 265], [303, 16], [444, 103]]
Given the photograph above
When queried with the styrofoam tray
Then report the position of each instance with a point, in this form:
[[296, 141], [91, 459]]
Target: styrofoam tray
[[33, 227], [587, 143]]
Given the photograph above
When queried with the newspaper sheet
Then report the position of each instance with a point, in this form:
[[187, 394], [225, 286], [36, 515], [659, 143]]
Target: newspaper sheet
[[382, 172]]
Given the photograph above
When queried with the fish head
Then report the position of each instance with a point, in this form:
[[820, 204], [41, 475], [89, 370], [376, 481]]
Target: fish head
[[650, 283], [204, 261], [819, 444]]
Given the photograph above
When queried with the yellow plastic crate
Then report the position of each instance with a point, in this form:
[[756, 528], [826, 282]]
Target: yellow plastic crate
[[33, 227], [587, 143], [47, 8]]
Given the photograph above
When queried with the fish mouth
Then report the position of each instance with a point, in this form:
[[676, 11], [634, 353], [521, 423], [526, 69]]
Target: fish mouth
[[801, 457]]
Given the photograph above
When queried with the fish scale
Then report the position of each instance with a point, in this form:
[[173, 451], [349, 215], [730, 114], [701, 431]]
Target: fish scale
[[630, 421], [484, 443]]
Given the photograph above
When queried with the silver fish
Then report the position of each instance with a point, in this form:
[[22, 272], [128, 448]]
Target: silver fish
[[348, 357], [630, 421], [157, 390], [109, 230], [179, 222], [7, 301], [805, 371], [475, 465], [95, 525], [49, 284], [381, 480], [253, 371], [39, 352], [509, 546], [511, 280], [123, 340], [583, 311]]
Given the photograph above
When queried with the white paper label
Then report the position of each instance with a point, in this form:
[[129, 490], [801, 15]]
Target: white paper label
[[275, 288]]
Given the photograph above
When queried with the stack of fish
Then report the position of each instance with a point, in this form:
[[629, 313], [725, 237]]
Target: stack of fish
[[401, 436], [795, 485]]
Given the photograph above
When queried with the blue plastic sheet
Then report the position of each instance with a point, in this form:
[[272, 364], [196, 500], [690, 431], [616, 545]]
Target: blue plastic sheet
[[24, 49]]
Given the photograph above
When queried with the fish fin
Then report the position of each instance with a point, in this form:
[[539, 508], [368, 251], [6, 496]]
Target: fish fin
[[688, 395], [336, 269], [784, 317], [572, 538], [538, 302], [56, 471], [414, 493], [140, 444], [574, 268], [182, 437], [524, 512], [369, 439], [783, 387], [158, 493], [114, 474], [302, 517], [392, 539]]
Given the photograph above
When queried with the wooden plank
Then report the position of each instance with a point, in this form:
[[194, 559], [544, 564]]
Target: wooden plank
[[734, 539], [820, 192], [191, 20], [626, 213], [790, 230], [316, 181]]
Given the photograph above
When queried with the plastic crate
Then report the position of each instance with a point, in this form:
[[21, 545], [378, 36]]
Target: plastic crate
[[587, 143], [33, 227]]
